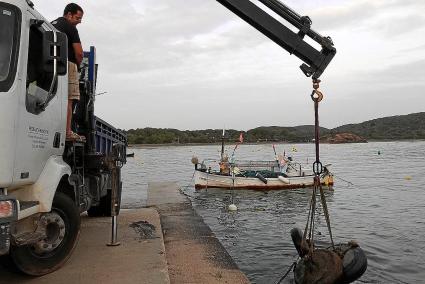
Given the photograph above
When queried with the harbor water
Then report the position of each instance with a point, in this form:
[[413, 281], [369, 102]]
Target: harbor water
[[378, 200]]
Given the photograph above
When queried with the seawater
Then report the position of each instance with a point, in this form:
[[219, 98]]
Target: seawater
[[378, 200]]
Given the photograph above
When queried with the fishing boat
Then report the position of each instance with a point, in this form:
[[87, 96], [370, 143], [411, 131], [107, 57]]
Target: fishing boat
[[283, 173]]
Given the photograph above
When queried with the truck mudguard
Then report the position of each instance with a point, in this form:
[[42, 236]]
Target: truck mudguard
[[44, 189]]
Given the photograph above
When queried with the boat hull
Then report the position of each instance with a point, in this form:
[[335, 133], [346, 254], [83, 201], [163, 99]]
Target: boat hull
[[208, 180]]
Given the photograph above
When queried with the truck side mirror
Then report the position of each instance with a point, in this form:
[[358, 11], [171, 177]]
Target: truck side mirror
[[61, 52]]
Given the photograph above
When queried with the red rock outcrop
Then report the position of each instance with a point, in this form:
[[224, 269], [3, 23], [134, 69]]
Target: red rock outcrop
[[339, 138]]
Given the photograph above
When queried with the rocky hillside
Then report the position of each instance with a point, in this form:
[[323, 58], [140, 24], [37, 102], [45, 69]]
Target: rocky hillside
[[411, 126]]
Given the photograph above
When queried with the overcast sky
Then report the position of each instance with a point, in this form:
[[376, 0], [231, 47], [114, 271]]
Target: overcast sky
[[192, 64]]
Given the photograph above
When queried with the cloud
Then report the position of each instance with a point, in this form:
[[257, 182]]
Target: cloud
[[409, 73], [194, 64], [384, 17]]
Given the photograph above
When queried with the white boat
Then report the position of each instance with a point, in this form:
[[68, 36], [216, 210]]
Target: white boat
[[258, 175]]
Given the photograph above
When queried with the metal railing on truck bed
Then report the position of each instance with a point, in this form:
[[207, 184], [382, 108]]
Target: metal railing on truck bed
[[106, 135]]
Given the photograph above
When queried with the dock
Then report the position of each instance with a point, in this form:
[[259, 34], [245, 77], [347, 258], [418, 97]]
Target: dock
[[167, 242]]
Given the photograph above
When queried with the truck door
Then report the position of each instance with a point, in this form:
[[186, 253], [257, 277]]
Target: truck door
[[40, 133], [10, 34]]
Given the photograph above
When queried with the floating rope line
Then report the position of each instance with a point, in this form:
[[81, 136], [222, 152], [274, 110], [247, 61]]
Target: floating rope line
[[189, 185], [287, 272], [347, 181]]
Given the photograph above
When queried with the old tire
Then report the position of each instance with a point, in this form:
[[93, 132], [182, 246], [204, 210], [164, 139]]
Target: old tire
[[63, 229], [354, 264], [103, 209], [297, 238]]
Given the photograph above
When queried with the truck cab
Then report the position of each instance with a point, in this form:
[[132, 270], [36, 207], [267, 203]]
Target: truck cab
[[31, 136], [46, 181]]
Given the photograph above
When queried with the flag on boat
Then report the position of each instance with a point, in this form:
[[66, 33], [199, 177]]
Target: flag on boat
[[237, 144]]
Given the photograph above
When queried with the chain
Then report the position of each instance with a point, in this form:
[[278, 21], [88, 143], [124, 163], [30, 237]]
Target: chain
[[317, 97]]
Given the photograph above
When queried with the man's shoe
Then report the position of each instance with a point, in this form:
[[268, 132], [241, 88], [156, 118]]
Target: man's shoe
[[72, 136]]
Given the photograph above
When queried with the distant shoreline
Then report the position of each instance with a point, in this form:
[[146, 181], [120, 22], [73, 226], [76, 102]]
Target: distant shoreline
[[142, 146], [137, 146]]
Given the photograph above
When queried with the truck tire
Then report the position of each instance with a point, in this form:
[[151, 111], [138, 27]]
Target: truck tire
[[103, 209], [62, 228]]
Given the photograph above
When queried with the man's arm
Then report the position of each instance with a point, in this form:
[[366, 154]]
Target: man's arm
[[78, 50]]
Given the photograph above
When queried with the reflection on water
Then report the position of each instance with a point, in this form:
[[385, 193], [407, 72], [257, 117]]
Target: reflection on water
[[378, 201]]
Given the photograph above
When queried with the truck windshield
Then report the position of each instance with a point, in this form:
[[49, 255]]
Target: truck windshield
[[9, 30]]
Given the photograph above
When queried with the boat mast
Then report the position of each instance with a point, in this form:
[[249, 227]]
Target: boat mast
[[222, 146]]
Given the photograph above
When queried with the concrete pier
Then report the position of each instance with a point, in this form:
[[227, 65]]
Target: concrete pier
[[194, 254], [178, 248], [136, 260]]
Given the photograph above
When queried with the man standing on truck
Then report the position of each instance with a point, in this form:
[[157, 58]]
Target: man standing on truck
[[72, 16]]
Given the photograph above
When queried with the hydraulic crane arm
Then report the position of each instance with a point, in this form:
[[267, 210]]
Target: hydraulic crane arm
[[315, 61]]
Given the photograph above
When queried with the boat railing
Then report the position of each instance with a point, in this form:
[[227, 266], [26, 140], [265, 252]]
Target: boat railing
[[210, 161], [257, 165], [294, 166], [289, 167], [255, 162], [244, 165]]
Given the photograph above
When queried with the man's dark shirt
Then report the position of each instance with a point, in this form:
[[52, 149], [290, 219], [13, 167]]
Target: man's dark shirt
[[71, 32]]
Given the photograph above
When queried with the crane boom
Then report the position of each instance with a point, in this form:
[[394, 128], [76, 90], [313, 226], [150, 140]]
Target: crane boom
[[315, 61]]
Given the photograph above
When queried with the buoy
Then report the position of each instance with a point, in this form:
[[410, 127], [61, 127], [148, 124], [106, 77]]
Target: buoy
[[195, 160], [232, 207], [407, 177], [283, 179], [328, 180]]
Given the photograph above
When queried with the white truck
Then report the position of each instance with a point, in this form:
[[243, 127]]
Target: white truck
[[46, 181]]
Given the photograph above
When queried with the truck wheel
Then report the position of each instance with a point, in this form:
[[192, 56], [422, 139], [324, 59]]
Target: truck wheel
[[103, 209], [62, 229]]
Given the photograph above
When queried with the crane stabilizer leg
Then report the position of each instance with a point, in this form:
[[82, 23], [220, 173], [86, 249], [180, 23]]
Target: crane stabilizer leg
[[315, 62]]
